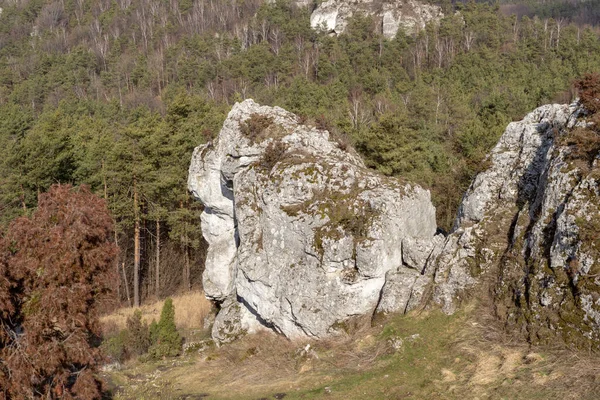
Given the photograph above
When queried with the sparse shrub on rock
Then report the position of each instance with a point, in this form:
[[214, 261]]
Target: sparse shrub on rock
[[274, 152], [255, 126]]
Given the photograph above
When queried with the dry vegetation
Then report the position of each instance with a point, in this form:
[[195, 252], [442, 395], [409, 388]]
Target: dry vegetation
[[425, 355], [191, 309]]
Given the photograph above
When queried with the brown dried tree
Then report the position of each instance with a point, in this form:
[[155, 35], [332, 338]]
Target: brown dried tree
[[56, 269], [589, 91]]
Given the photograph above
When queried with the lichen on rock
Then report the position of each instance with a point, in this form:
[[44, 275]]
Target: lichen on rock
[[528, 224], [301, 234]]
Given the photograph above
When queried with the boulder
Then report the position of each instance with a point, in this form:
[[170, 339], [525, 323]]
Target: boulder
[[302, 236]]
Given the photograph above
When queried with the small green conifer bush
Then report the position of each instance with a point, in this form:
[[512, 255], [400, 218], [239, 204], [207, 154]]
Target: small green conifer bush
[[166, 341], [138, 334]]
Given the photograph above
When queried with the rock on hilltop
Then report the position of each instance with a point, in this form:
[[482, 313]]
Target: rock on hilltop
[[301, 235], [409, 15]]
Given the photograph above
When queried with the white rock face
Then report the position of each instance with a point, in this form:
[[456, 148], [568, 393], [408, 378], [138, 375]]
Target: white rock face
[[301, 235], [409, 15], [517, 162], [525, 226], [491, 206]]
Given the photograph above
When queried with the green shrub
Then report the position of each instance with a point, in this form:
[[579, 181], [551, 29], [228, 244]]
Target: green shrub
[[139, 336], [166, 341], [115, 347], [153, 331]]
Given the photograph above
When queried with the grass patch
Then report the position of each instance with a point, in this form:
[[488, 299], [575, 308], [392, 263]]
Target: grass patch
[[422, 356]]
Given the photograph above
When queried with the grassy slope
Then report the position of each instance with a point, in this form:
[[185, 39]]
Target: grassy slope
[[441, 357]]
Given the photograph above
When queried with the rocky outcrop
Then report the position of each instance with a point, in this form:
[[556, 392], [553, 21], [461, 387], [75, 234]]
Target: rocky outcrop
[[409, 15], [301, 235], [527, 230], [488, 208]]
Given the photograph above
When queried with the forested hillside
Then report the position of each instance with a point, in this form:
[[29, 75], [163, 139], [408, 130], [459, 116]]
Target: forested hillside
[[116, 94], [580, 12]]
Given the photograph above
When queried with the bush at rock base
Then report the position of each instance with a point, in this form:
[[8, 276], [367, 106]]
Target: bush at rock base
[[166, 341]]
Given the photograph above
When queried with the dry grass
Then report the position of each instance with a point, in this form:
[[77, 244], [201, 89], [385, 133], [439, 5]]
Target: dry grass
[[502, 365], [465, 356], [190, 311], [291, 361]]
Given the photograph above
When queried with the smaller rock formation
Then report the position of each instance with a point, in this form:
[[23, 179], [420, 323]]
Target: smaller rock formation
[[408, 15], [527, 231], [302, 236], [497, 201]]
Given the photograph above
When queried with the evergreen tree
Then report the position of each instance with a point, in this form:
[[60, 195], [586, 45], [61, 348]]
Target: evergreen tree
[[166, 339], [138, 335]]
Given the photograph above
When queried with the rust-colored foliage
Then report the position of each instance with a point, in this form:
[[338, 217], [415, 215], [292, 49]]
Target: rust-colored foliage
[[589, 91], [584, 141], [55, 271]]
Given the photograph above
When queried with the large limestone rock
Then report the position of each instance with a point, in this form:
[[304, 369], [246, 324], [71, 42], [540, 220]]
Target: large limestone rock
[[409, 15], [301, 235], [527, 230]]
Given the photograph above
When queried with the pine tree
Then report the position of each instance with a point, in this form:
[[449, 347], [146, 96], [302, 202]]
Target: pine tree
[[166, 339]]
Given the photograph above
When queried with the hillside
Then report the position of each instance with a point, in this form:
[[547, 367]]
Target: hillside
[[412, 203], [580, 12], [420, 355], [116, 95]]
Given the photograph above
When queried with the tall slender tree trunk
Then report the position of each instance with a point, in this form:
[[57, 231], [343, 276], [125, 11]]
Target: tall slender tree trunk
[[104, 183], [126, 284], [136, 246], [186, 280], [157, 271], [23, 204], [115, 232], [117, 269], [186, 255]]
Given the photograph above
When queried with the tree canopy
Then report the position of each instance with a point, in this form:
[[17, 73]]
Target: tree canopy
[[116, 94]]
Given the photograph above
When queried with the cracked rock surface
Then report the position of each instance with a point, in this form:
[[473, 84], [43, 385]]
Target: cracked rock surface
[[528, 229], [301, 235]]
